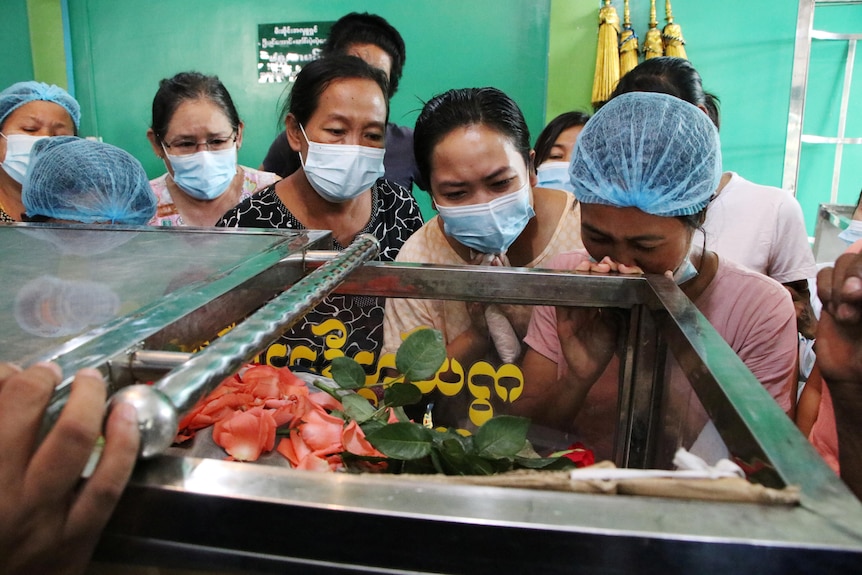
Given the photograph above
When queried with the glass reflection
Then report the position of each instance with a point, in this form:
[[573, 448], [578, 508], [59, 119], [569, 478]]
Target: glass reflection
[[49, 306]]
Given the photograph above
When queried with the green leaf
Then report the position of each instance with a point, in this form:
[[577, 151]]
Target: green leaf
[[528, 452], [347, 373], [421, 355], [441, 437], [402, 440], [399, 394], [357, 407], [438, 463], [451, 456], [371, 426], [548, 463], [502, 436], [424, 465], [477, 465]]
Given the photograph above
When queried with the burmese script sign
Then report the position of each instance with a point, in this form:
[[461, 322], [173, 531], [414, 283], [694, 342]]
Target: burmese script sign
[[283, 49]]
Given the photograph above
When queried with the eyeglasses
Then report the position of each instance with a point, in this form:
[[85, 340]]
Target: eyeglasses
[[216, 144]]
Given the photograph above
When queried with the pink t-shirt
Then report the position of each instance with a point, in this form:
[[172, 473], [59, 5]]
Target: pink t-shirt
[[753, 313]]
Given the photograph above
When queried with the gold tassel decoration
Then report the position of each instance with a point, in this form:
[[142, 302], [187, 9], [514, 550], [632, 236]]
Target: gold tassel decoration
[[628, 44], [674, 43], [607, 56], [652, 41]]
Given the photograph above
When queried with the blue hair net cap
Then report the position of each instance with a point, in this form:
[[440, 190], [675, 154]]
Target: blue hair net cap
[[649, 151], [86, 181], [21, 93]]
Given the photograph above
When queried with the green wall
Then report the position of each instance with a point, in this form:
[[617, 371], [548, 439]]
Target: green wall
[[47, 38], [16, 61], [122, 48], [744, 52], [572, 56]]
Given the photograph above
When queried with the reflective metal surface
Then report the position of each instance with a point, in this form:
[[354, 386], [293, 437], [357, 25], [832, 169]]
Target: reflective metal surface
[[832, 219], [798, 87]]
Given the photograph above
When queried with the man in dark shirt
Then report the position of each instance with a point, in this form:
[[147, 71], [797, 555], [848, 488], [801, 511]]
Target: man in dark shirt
[[373, 39]]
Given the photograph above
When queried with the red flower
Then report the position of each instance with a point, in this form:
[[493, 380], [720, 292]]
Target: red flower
[[300, 456], [579, 454], [246, 409], [321, 431], [246, 434], [354, 441], [293, 448], [288, 411], [325, 401]]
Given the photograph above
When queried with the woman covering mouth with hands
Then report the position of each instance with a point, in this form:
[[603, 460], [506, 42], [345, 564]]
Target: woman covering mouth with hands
[[644, 170]]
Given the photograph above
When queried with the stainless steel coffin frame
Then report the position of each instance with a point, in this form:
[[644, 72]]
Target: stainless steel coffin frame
[[207, 514]]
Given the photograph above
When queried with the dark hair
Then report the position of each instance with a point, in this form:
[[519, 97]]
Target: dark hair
[[552, 131], [694, 221], [464, 107], [365, 28], [668, 75], [713, 108], [189, 86], [315, 77]]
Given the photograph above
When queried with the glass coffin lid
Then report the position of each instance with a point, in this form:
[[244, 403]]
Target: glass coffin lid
[[79, 294]]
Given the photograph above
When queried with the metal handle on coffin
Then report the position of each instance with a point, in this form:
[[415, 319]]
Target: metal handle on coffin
[[160, 405]]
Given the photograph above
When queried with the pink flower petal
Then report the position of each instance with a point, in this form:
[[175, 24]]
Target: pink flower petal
[[321, 431]]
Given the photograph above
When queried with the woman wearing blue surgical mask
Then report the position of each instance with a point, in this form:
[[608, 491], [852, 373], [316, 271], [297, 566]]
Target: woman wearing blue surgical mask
[[335, 119], [642, 198], [29, 111], [554, 150], [473, 148], [197, 133]]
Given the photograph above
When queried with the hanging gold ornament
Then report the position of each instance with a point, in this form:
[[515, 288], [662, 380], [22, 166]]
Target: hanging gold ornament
[[628, 43], [607, 56], [652, 41], [674, 43]]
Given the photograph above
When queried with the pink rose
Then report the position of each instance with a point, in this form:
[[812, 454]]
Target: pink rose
[[321, 431], [354, 441], [246, 434]]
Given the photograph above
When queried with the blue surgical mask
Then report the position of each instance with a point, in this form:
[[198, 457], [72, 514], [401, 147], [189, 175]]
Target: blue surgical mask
[[18, 147], [341, 172], [685, 271], [555, 175], [204, 175], [491, 227]]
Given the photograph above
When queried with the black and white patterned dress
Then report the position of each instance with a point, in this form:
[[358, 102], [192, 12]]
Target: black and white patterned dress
[[340, 325]]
